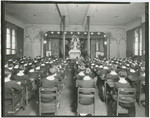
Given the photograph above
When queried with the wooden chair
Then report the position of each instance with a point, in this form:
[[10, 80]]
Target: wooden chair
[[11, 103], [124, 94], [141, 93], [48, 107], [86, 93]]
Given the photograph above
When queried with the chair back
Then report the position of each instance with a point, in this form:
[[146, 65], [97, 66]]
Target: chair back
[[86, 101], [50, 105], [11, 105], [125, 95]]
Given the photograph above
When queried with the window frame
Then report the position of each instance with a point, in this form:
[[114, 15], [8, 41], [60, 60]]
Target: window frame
[[139, 41], [11, 43]]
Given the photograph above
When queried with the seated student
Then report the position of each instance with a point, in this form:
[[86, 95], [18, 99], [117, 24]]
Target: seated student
[[24, 79], [33, 73], [80, 75], [101, 81], [26, 70], [87, 81], [50, 81], [81, 67], [16, 69], [124, 68], [20, 76], [112, 76], [18, 89], [40, 71], [99, 69], [33, 77], [133, 75], [10, 68], [127, 103]]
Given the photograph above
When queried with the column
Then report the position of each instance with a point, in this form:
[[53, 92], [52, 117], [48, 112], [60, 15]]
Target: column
[[64, 37], [88, 23]]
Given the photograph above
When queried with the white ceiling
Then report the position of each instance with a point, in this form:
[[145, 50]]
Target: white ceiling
[[76, 14]]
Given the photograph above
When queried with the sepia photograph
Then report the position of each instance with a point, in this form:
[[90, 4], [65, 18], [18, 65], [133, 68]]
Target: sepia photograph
[[74, 58]]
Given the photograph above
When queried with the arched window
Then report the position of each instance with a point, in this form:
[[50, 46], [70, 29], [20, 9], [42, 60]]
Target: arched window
[[10, 41], [138, 42]]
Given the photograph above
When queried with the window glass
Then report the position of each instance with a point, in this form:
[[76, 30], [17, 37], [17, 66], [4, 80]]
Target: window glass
[[13, 52], [8, 31], [140, 31], [97, 46], [13, 39], [8, 38], [13, 32], [49, 45], [136, 33], [8, 45], [136, 49], [138, 42], [13, 45], [7, 51], [10, 41], [136, 39], [140, 48]]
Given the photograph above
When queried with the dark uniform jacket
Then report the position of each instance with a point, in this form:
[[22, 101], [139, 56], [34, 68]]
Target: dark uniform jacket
[[17, 90], [86, 84], [48, 84], [113, 78]]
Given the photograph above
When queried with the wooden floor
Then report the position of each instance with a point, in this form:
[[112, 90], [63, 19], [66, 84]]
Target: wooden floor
[[66, 100]]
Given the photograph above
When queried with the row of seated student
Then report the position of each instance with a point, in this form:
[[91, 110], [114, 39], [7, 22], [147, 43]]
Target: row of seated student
[[84, 82], [113, 74], [25, 77]]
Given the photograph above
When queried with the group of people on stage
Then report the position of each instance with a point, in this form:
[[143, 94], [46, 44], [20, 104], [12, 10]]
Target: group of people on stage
[[25, 76]]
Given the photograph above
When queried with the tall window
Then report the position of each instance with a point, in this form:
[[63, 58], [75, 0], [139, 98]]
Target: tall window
[[99, 45], [138, 42], [10, 41]]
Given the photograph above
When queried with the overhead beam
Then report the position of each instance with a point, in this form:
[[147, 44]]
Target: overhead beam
[[90, 11], [59, 12]]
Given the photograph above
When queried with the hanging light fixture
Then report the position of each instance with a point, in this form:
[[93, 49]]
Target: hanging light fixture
[[98, 33], [71, 32], [92, 33], [78, 32], [52, 32], [84, 32], [58, 32], [104, 35]]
